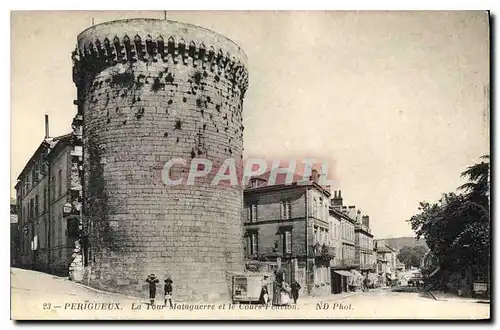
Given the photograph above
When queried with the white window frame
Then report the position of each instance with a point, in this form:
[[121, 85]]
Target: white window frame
[[286, 209], [252, 212], [287, 241], [253, 243]]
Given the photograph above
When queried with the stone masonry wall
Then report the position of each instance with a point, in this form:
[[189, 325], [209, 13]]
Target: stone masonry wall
[[151, 91], [269, 220]]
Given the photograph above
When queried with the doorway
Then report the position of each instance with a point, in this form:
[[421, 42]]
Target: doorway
[[336, 280]]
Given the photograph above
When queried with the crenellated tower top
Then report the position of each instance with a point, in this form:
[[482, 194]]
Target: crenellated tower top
[[152, 40]]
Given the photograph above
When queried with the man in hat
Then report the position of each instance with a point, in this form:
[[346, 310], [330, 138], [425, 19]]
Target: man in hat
[[168, 291], [295, 291], [152, 280]]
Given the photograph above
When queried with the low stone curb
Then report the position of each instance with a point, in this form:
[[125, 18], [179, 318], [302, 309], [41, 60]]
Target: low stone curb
[[102, 291], [464, 300], [432, 295]]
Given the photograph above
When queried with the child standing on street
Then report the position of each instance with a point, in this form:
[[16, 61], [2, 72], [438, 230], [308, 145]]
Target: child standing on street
[[152, 280], [168, 292]]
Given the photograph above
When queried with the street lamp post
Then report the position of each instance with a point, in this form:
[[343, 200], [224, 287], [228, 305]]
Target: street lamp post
[[67, 208]]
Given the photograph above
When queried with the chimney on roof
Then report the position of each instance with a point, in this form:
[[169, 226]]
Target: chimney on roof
[[352, 212], [46, 126], [314, 176], [337, 200], [365, 220]]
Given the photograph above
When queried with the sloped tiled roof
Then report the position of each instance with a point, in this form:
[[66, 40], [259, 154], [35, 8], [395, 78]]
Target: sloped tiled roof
[[281, 177]]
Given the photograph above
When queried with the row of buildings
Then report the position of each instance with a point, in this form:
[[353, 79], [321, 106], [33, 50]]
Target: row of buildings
[[314, 237], [48, 204], [326, 246]]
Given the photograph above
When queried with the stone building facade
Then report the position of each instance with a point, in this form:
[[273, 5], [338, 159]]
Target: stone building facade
[[364, 245], [386, 262], [335, 221], [287, 226], [345, 267], [151, 91], [14, 235], [45, 202]]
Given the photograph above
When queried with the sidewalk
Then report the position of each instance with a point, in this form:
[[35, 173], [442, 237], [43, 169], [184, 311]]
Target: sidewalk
[[447, 296], [311, 300]]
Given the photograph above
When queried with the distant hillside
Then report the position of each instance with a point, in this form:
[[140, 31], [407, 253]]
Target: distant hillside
[[398, 243]]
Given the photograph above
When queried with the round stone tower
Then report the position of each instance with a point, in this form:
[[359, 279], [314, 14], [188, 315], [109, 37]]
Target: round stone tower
[[151, 91]]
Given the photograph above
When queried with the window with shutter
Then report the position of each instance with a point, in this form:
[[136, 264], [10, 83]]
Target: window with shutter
[[255, 244], [252, 243], [59, 187], [288, 209], [287, 241], [253, 215], [249, 246], [36, 206]]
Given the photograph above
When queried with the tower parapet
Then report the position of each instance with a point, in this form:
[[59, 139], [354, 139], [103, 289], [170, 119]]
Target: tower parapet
[[111, 43]]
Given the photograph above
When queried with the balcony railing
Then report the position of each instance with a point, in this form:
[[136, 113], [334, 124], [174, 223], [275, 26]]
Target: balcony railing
[[367, 266], [324, 251], [348, 263]]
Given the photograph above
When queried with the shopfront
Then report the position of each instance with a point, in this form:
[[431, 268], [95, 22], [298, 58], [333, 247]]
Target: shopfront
[[340, 280]]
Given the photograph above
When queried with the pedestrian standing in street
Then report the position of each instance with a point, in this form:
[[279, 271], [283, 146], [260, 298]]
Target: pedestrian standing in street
[[365, 283], [277, 287], [285, 293], [264, 292], [168, 292], [295, 291], [152, 280]]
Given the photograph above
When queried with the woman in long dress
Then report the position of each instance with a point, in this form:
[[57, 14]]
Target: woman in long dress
[[277, 288]]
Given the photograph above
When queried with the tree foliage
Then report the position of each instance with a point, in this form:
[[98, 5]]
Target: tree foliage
[[457, 228], [411, 256]]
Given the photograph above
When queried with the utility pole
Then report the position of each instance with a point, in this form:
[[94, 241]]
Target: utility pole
[[165, 15]]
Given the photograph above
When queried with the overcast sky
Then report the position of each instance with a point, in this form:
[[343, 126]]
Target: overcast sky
[[396, 101]]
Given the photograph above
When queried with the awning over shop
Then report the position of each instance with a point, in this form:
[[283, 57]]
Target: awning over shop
[[343, 273], [358, 274], [357, 278]]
